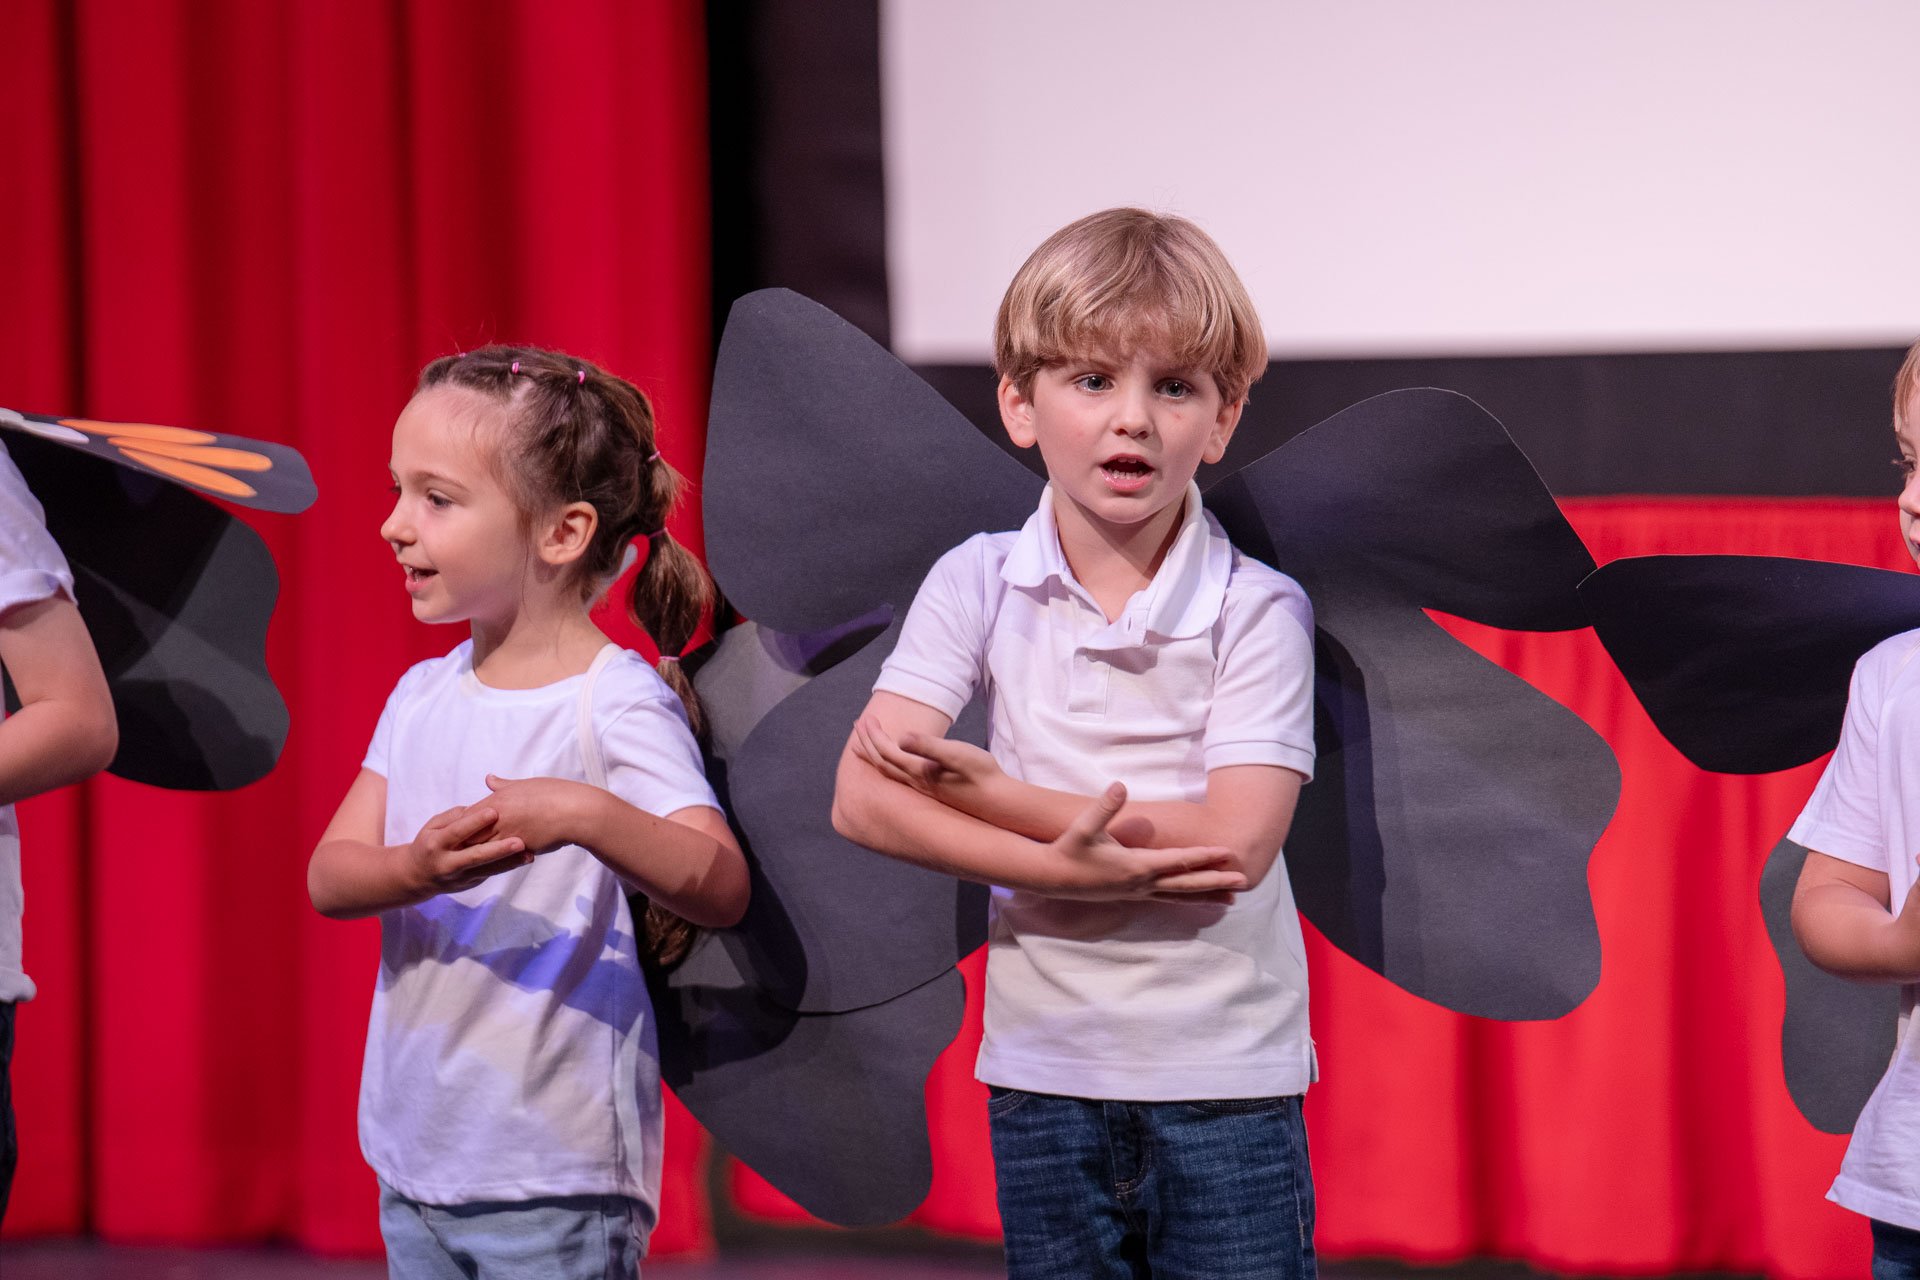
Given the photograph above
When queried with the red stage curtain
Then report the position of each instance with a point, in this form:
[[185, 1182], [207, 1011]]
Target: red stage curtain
[[263, 219]]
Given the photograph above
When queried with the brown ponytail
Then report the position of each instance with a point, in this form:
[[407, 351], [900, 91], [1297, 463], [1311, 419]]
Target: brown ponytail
[[581, 434]]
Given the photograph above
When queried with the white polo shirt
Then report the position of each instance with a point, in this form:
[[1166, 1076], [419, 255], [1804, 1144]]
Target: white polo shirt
[[1210, 665], [1866, 810]]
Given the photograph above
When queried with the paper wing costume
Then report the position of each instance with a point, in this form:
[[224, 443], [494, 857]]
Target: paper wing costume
[[1743, 664], [1443, 843], [175, 591]]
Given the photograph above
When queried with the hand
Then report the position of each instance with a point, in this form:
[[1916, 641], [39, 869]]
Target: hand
[[542, 813], [1088, 863], [958, 774], [448, 854]]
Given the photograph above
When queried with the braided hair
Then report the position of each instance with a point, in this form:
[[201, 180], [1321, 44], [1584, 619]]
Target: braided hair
[[577, 433]]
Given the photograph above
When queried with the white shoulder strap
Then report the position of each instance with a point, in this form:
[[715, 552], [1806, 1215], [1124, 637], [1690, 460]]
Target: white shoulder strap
[[590, 757]]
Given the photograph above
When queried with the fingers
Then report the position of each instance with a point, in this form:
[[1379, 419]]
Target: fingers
[[470, 823], [873, 744], [1186, 883], [495, 781], [442, 818], [509, 852], [1091, 822], [1218, 899]]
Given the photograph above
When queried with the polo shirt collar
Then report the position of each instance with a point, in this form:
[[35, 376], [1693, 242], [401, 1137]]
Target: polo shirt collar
[[1185, 596]]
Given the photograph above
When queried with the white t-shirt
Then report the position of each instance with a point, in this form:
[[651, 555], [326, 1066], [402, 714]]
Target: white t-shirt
[[512, 1051], [31, 569], [1866, 810], [1209, 665]]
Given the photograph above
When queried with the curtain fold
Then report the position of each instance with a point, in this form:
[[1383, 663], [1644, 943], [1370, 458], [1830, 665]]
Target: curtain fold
[[264, 219]]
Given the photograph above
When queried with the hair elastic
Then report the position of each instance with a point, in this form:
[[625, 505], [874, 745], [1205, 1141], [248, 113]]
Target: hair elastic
[[654, 456], [656, 533]]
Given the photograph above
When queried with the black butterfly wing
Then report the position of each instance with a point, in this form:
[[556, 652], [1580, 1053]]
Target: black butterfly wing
[[834, 479], [1742, 663], [1444, 840], [176, 594]]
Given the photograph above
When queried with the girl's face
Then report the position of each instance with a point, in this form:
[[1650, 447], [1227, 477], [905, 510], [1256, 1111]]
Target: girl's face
[[1907, 434], [456, 531]]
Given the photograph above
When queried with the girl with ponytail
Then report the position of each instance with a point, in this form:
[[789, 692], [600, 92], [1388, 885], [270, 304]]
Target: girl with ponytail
[[515, 791]]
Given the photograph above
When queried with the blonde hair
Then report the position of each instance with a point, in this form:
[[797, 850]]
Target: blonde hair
[[1123, 277], [1904, 383]]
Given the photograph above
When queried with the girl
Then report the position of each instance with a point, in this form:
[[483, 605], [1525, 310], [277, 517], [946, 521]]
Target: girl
[[510, 1100], [1855, 911]]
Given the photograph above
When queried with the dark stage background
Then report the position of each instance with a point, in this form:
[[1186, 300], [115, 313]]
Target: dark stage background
[[263, 220]]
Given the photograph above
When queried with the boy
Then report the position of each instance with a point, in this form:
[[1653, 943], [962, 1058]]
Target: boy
[[1146, 1010], [64, 730], [1855, 909]]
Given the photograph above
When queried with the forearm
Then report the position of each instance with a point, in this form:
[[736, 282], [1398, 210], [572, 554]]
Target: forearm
[[891, 818], [53, 743], [699, 878], [1042, 813], [348, 879], [1847, 933]]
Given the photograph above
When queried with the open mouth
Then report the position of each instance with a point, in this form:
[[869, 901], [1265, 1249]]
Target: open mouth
[[1126, 472], [416, 576]]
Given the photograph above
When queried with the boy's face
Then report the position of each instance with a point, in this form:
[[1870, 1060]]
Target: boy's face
[[1907, 433], [1121, 436]]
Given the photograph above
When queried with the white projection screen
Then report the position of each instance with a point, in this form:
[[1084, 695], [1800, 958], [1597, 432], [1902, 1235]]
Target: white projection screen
[[1426, 177]]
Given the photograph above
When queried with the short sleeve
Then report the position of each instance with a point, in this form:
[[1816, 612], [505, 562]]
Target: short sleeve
[[942, 648], [1843, 818], [652, 760], [380, 750], [1262, 708], [31, 565]]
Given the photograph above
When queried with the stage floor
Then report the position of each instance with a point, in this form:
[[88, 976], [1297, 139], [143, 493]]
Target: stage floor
[[82, 1260]]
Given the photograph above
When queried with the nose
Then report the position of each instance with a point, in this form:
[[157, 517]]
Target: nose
[[394, 530], [1910, 495], [1133, 411]]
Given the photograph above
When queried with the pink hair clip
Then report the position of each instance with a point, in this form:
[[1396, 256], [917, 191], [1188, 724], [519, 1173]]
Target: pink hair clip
[[516, 367], [654, 456], [583, 377]]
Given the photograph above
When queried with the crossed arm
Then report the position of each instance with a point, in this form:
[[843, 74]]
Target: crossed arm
[[1844, 920], [906, 790], [688, 861], [65, 729]]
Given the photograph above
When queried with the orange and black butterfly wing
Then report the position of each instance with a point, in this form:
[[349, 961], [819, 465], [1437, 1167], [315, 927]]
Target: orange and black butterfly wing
[[176, 594], [249, 473]]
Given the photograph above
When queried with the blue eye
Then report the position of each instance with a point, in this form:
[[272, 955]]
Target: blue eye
[[1177, 389], [1093, 382]]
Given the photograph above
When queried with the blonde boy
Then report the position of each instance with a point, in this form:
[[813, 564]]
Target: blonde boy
[[1150, 693]]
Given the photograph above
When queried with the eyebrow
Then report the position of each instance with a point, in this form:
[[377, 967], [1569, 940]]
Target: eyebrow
[[428, 477]]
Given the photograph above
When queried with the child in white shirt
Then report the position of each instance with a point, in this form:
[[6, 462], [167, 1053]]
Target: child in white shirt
[[1855, 912], [1146, 1041], [516, 790]]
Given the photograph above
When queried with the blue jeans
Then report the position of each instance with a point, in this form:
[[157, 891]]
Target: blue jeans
[[1896, 1252], [557, 1238], [1092, 1189]]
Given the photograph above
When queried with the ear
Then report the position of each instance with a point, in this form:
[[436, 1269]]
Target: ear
[[564, 536], [1016, 413], [1222, 431]]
